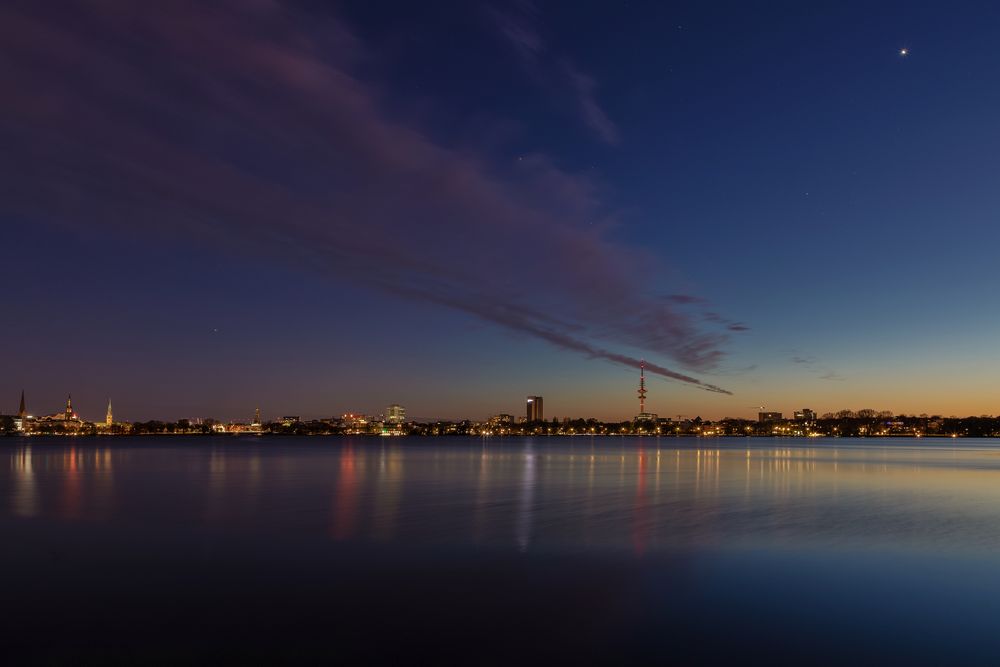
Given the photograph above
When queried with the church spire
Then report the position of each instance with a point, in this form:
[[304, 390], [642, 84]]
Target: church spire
[[109, 419], [69, 406], [21, 412]]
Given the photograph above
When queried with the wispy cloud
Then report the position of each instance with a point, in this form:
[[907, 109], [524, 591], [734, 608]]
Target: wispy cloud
[[585, 88], [730, 325], [813, 365], [243, 125], [518, 24], [540, 326], [684, 299]]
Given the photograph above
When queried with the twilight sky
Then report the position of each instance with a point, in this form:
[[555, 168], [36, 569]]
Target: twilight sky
[[326, 207]]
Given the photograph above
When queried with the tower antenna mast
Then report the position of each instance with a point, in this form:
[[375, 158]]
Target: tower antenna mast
[[642, 387]]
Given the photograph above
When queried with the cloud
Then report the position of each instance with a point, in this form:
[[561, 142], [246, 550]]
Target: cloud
[[242, 124], [730, 325], [812, 365], [684, 299], [585, 88], [517, 23], [522, 319]]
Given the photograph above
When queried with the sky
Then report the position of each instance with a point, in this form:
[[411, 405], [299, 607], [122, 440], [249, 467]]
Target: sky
[[315, 208]]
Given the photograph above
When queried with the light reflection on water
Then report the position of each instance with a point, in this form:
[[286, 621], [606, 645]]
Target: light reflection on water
[[639, 495]]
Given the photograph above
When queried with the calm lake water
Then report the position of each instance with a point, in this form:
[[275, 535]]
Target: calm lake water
[[464, 550]]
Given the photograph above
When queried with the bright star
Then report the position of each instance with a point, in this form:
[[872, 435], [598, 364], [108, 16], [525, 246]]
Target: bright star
[[903, 52]]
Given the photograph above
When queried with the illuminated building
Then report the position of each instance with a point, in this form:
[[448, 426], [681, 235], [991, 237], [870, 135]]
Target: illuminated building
[[109, 418], [255, 425], [21, 422], [764, 417], [805, 414], [355, 424], [500, 424], [66, 415], [289, 420], [395, 414], [67, 419], [535, 412]]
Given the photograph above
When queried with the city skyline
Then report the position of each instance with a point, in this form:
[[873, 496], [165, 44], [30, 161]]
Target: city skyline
[[331, 202], [397, 413]]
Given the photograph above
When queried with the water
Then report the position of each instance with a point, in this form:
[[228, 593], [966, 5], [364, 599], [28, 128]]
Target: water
[[454, 550]]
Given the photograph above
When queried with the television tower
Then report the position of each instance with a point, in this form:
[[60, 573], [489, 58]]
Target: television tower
[[642, 387]]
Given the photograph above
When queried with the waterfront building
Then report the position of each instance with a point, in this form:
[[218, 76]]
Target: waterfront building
[[535, 412], [395, 414], [500, 424], [764, 417], [256, 426], [21, 421], [805, 415], [355, 424], [67, 415], [67, 420], [109, 418]]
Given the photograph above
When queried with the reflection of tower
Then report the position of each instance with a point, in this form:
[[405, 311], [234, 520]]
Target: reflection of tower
[[642, 387], [69, 406], [109, 419], [21, 412]]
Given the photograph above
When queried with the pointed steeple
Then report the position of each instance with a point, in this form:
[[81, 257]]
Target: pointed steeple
[[109, 419], [21, 412], [69, 406]]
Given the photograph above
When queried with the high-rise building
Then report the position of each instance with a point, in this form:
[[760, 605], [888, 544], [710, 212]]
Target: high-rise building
[[805, 415], [768, 417], [395, 414], [21, 412], [535, 412], [109, 418]]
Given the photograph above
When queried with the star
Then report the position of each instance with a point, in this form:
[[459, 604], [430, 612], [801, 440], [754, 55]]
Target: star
[[904, 52]]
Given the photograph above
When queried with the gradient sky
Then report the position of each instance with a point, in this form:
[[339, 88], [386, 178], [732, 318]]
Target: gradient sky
[[319, 207]]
